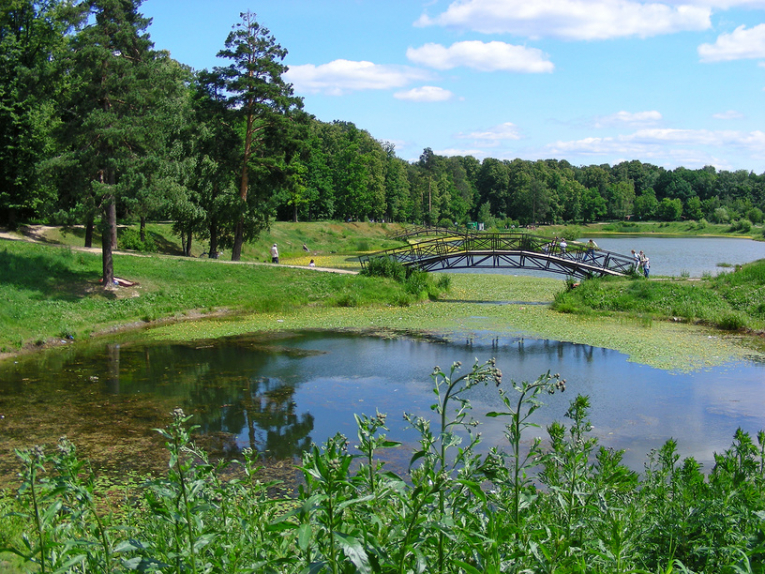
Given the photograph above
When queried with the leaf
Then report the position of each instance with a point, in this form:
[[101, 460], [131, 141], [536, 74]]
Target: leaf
[[354, 551], [304, 536], [467, 567]]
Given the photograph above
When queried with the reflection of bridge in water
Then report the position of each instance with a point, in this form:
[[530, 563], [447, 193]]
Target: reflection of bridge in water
[[507, 251]]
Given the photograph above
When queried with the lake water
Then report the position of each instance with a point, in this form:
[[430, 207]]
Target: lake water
[[695, 256], [278, 394]]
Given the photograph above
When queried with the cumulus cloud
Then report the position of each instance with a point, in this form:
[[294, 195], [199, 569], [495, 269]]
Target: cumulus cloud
[[342, 76], [424, 94], [738, 45], [729, 115], [571, 19], [652, 142], [621, 119], [493, 136], [483, 56]]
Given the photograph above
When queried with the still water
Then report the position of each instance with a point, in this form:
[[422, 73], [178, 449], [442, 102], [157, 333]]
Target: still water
[[280, 393]]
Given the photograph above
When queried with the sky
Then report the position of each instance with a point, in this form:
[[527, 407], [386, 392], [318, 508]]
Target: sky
[[670, 83]]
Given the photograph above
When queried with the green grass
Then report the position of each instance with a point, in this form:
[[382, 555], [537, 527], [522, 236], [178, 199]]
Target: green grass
[[50, 292], [730, 301], [334, 243], [648, 228]]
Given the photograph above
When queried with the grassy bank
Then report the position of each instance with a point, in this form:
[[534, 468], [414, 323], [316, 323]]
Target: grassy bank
[[654, 228], [730, 301], [53, 292], [332, 244]]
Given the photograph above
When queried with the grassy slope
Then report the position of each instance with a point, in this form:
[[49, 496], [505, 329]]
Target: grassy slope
[[54, 292], [656, 228], [330, 244], [729, 301]]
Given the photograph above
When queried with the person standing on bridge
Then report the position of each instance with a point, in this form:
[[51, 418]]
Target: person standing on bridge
[[563, 245], [591, 247]]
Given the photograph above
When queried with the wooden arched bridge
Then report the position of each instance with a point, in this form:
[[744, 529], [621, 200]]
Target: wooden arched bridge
[[508, 251]]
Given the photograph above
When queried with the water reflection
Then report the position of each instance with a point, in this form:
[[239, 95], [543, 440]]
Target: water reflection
[[279, 393]]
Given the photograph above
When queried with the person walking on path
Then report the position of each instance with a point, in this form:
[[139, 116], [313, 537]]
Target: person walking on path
[[646, 267], [274, 254]]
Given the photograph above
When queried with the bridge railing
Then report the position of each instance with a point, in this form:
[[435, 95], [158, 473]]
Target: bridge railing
[[574, 255]]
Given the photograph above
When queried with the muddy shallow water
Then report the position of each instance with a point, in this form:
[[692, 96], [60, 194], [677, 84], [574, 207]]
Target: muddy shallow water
[[280, 393]]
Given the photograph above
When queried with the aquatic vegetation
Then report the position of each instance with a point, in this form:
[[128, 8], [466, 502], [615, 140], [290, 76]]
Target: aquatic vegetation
[[556, 504]]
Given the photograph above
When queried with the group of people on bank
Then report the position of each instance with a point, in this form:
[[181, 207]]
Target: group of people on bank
[[642, 263]]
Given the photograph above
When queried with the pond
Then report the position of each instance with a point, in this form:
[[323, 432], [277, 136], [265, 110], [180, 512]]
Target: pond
[[280, 393], [694, 256]]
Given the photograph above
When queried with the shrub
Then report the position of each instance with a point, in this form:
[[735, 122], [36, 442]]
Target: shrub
[[742, 225], [385, 267], [131, 239], [732, 321]]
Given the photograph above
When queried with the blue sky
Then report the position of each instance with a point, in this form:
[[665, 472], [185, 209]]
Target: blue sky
[[670, 83]]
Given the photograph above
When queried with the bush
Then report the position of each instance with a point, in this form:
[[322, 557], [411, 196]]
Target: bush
[[385, 267], [755, 215], [131, 239], [741, 225], [732, 321]]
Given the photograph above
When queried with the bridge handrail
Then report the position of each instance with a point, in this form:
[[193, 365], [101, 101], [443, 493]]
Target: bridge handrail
[[442, 248]]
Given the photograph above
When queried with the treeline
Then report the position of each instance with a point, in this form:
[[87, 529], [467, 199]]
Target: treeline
[[96, 125]]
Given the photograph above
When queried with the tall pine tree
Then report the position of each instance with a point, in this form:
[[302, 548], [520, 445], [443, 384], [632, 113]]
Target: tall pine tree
[[108, 123], [262, 102]]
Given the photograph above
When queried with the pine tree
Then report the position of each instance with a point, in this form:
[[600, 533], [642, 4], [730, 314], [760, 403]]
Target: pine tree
[[263, 102], [108, 123]]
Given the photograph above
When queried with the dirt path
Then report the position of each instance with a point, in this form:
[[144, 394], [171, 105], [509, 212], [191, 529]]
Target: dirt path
[[38, 234]]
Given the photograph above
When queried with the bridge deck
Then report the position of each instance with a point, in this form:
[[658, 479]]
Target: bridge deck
[[508, 251]]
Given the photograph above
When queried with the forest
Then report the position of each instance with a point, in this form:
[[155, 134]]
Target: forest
[[99, 126]]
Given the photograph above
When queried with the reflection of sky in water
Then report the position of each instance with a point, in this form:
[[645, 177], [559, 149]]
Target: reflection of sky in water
[[634, 407], [276, 393]]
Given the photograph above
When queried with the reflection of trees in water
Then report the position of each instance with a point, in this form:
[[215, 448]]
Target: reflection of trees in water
[[220, 386], [273, 427]]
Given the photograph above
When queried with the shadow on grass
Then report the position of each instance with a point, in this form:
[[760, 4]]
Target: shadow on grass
[[50, 275]]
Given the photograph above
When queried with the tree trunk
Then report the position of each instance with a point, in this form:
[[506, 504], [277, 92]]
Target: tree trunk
[[213, 253], [89, 230], [294, 213], [106, 242], [236, 250], [188, 244], [143, 229], [113, 222]]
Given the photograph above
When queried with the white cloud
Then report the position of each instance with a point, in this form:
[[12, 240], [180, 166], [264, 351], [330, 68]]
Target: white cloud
[[654, 143], [571, 19], [424, 94], [739, 44], [621, 119], [483, 56], [729, 115], [342, 76], [451, 152], [493, 136]]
